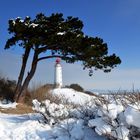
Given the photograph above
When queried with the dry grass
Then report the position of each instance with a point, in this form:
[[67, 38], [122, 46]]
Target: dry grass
[[41, 93], [20, 109], [37, 92]]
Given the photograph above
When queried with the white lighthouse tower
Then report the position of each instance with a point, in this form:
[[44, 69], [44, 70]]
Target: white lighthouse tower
[[58, 74]]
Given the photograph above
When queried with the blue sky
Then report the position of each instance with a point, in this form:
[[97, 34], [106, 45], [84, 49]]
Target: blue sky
[[116, 21]]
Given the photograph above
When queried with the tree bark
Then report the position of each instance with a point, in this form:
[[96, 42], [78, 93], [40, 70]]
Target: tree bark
[[23, 89], [22, 71]]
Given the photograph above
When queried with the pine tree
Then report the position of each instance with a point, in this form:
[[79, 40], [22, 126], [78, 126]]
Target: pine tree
[[56, 36]]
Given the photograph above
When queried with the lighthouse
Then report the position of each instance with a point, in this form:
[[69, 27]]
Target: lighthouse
[[58, 74]]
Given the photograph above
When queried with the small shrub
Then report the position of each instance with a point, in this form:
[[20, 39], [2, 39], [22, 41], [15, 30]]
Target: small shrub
[[7, 88], [76, 87], [89, 92]]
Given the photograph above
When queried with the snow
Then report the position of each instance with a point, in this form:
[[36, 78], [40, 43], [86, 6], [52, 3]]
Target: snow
[[27, 16], [53, 109], [18, 18], [72, 96], [132, 115], [76, 121], [33, 25], [3, 104], [121, 133], [26, 127], [21, 20], [101, 126], [13, 22], [92, 45], [61, 33], [78, 35], [36, 105], [111, 110], [22, 127]]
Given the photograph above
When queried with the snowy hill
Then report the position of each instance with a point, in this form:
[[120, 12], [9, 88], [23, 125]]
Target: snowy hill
[[72, 96], [95, 118]]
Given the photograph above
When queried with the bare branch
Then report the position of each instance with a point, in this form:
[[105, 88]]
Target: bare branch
[[52, 56]]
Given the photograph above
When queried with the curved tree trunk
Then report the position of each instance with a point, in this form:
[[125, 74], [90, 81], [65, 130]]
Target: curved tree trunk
[[22, 71], [23, 89]]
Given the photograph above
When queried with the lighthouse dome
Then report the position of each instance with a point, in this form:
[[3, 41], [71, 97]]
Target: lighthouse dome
[[58, 61]]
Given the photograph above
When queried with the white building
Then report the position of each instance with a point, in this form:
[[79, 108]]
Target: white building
[[58, 74]]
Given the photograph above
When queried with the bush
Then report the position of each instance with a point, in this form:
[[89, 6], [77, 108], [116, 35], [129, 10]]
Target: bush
[[76, 87], [7, 88]]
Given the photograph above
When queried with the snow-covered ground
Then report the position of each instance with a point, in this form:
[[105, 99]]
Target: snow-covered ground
[[6, 104], [94, 119], [27, 127]]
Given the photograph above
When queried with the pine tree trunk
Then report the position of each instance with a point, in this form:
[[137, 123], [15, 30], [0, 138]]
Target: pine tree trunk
[[22, 92], [22, 71]]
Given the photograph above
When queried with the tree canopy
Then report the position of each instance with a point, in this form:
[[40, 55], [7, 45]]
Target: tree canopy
[[56, 36]]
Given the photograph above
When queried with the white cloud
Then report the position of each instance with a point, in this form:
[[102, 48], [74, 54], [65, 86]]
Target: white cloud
[[118, 78]]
